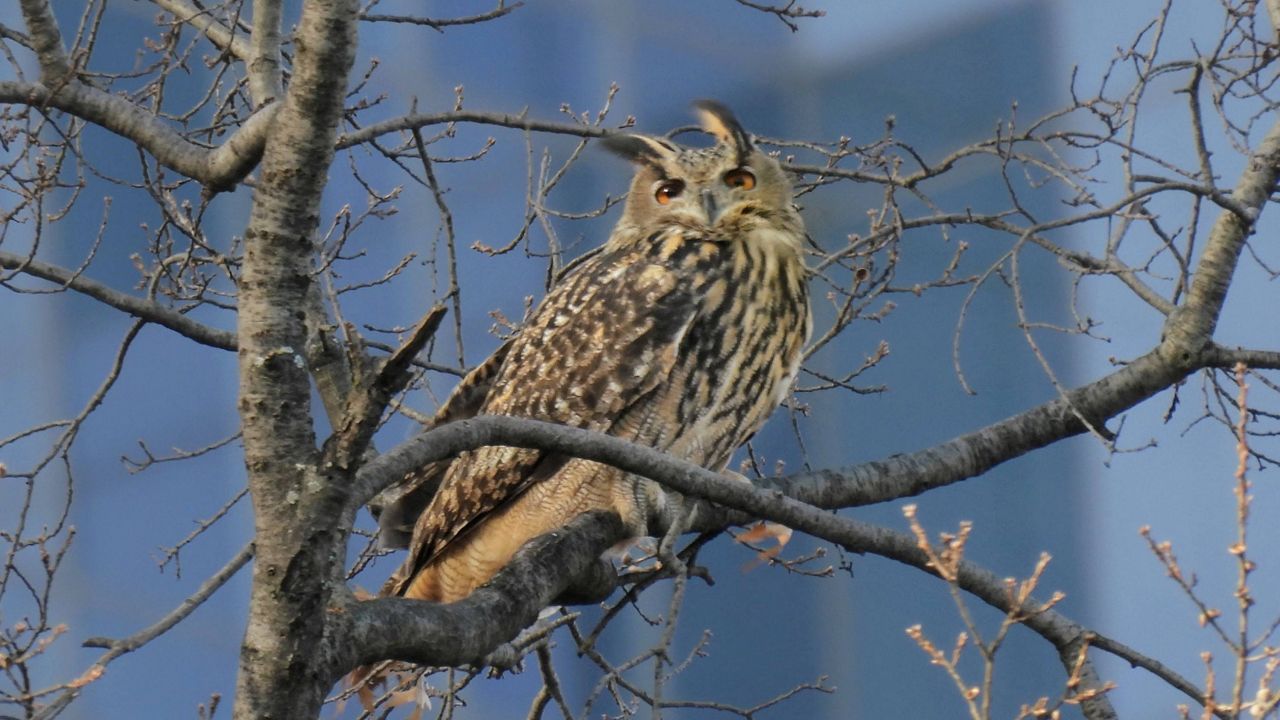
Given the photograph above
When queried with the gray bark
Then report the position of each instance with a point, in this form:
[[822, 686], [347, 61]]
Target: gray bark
[[300, 548]]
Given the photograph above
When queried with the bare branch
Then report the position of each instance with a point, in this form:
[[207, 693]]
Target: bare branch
[[218, 168], [141, 308], [520, 121], [787, 13], [220, 35], [177, 615], [440, 24], [124, 646]]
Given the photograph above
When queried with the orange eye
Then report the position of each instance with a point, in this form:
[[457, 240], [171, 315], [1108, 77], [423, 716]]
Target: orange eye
[[668, 190], [741, 178]]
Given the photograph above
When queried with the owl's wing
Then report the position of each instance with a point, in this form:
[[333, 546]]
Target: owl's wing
[[596, 347], [398, 507]]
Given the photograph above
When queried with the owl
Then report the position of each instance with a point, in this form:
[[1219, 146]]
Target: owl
[[683, 332]]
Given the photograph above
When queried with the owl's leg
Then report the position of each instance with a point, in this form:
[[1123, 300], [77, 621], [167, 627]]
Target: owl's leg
[[594, 585], [681, 517]]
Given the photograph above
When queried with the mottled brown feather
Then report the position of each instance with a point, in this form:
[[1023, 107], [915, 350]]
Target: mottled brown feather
[[563, 367], [398, 508]]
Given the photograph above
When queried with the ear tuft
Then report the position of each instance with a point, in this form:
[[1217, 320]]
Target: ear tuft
[[718, 120], [638, 148]]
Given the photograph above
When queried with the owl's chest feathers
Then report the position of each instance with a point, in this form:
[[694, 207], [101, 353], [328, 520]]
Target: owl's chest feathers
[[739, 354]]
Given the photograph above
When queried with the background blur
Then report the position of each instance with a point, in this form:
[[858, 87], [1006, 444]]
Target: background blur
[[947, 72]]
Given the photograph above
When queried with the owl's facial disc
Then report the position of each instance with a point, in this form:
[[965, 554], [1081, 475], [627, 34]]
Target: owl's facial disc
[[707, 198], [725, 189]]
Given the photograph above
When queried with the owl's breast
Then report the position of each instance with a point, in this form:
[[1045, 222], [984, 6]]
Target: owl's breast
[[738, 358]]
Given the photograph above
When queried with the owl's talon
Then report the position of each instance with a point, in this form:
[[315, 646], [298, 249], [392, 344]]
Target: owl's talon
[[504, 659]]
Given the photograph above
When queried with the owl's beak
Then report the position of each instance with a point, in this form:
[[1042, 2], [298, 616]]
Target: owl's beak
[[709, 206]]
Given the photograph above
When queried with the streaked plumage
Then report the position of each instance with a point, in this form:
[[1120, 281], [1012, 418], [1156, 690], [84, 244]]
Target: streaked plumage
[[683, 332]]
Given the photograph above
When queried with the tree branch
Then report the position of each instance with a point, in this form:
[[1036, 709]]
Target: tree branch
[[1224, 357], [974, 453], [177, 615], [46, 39], [156, 313], [218, 168], [419, 120], [441, 24], [124, 646], [895, 477], [786, 13], [366, 403], [266, 76], [224, 38], [140, 308], [1218, 262], [466, 631], [429, 641]]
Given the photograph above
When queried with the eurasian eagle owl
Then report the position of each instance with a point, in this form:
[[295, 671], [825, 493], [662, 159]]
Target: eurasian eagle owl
[[682, 332]]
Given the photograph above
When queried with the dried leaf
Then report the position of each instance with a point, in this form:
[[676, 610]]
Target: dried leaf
[[762, 532]]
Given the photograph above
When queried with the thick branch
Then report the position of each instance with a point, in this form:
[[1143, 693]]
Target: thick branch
[[429, 641], [1218, 262], [265, 72], [895, 477], [680, 475], [466, 631], [218, 168], [974, 453], [1224, 357], [46, 39]]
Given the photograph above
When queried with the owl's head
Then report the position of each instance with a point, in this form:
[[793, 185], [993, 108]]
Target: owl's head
[[721, 190]]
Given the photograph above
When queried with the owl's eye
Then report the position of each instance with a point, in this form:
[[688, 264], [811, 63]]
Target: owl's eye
[[740, 178], [667, 191]]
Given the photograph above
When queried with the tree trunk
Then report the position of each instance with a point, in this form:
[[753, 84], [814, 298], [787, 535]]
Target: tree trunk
[[299, 551]]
